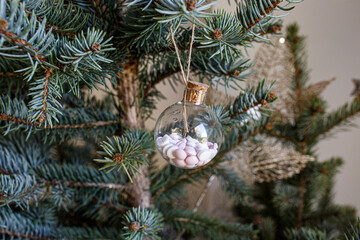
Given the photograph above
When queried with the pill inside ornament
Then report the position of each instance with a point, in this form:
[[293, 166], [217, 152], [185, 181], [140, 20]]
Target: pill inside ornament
[[201, 142]]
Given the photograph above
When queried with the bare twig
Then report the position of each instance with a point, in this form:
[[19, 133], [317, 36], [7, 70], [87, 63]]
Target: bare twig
[[199, 201]]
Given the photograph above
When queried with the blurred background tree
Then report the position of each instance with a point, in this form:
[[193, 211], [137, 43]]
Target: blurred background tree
[[293, 189]]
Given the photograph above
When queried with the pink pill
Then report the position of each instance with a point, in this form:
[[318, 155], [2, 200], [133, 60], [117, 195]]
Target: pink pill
[[210, 144], [190, 151], [191, 160], [179, 154], [179, 163]]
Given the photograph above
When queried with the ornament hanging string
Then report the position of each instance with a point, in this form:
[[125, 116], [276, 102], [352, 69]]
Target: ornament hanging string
[[185, 78]]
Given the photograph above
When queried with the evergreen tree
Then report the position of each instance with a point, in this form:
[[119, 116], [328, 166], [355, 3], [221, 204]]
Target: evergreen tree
[[299, 206], [54, 52]]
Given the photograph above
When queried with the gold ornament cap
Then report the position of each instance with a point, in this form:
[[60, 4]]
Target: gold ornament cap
[[196, 92]]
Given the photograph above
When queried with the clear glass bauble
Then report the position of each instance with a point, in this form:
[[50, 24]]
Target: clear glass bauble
[[195, 148]]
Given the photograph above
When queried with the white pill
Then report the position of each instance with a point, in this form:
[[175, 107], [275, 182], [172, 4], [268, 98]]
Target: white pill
[[190, 151], [204, 155], [181, 144], [191, 160], [162, 141], [166, 147], [191, 144], [179, 162], [170, 151], [201, 146], [179, 154], [213, 153], [215, 146]]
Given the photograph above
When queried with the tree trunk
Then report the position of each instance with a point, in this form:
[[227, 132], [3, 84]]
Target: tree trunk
[[128, 88]]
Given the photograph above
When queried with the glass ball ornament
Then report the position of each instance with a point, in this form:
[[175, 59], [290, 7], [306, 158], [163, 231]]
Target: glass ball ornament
[[201, 142]]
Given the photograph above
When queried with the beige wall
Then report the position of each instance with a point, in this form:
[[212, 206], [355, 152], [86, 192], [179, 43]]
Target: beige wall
[[333, 45]]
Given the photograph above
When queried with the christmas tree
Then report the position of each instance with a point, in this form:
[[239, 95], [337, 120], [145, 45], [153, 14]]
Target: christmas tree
[[54, 53], [292, 187]]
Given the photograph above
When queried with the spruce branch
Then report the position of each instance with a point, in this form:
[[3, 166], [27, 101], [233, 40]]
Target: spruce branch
[[52, 62], [218, 70], [89, 185], [38, 46], [254, 12], [306, 234], [15, 111], [21, 225], [44, 106], [50, 176], [23, 235], [85, 52], [126, 152], [69, 175], [5, 117], [244, 12], [322, 125], [17, 188], [140, 223], [10, 74], [48, 72], [62, 18], [74, 122], [224, 33], [200, 225], [177, 10], [354, 231], [233, 184], [252, 98], [84, 125]]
